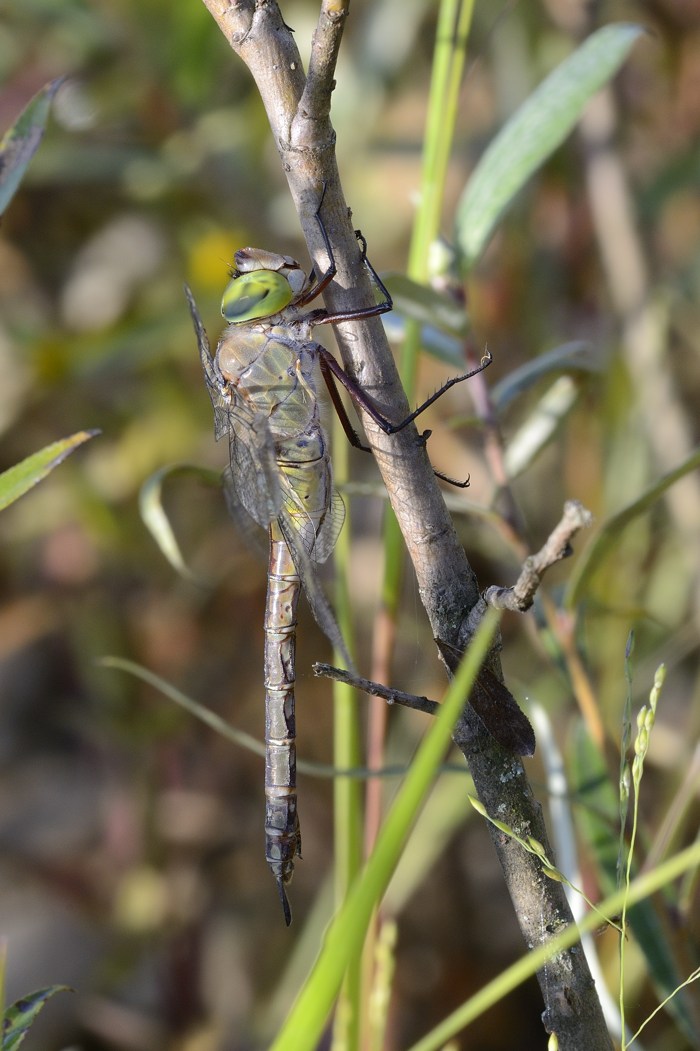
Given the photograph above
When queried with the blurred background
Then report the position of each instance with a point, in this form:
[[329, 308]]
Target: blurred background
[[132, 866]]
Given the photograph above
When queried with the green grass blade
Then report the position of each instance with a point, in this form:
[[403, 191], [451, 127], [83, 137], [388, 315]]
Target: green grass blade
[[18, 480], [156, 519], [540, 427], [3, 975], [237, 737], [535, 959], [597, 818], [20, 142], [534, 132], [347, 753], [609, 534], [305, 1023], [21, 1015]]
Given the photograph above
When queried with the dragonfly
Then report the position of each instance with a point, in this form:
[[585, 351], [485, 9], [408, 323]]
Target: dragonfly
[[262, 381]]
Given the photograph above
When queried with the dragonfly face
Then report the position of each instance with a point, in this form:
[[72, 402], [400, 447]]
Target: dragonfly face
[[262, 284]]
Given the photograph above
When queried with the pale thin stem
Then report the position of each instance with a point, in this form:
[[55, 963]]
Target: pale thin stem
[[520, 597], [316, 99]]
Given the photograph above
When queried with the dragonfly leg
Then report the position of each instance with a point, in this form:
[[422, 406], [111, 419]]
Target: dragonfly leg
[[361, 398], [452, 481], [330, 370], [361, 313], [350, 432], [318, 284], [484, 363]]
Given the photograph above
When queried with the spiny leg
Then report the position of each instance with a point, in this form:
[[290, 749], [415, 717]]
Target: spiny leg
[[317, 286], [484, 363], [330, 367], [331, 370], [361, 398]]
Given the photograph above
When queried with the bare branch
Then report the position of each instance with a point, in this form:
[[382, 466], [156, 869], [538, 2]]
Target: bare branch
[[520, 597], [409, 700], [316, 99]]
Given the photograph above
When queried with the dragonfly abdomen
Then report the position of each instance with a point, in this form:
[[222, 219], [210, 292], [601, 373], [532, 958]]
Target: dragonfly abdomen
[[282, 836]]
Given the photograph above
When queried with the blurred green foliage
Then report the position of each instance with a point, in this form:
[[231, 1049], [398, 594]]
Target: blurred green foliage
[[131, 837]]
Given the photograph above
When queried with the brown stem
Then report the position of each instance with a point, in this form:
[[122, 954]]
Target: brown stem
[[409, 700], [447, 584], [520, 597]]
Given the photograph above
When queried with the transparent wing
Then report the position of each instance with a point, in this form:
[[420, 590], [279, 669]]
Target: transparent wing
[[330, 528], [254, 537], [251, 480], [314, 509], [216, 384]]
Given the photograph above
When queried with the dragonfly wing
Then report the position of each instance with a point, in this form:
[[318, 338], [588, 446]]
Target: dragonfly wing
[[254, 538], [314, 508], [253, 476], [318, 539], [251, 480], [320, 606], [216, 384], [330, 528]]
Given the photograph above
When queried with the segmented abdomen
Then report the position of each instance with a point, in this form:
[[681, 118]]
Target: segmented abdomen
[[282, 836]]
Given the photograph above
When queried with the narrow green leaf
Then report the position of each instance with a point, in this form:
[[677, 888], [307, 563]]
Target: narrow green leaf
[[237, 737], [433, 340], [425, 305], [156, 520], [305, 1022], [199, 711], [576, 356], [534, 132], [597, 821], [610, 532], [18, 480], [20, 1016], [540, 427], [20, 142]]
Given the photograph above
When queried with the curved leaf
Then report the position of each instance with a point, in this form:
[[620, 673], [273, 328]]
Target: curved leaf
[[19, 144], [17, 480], [156, 520], [425, 305], [439, 344], [609, 533], [540, 426], [576, 356], [238, 737], [20, 1016], [534, 132]]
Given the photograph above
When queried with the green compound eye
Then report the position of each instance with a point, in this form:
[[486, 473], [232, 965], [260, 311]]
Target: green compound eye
[[257, 294]]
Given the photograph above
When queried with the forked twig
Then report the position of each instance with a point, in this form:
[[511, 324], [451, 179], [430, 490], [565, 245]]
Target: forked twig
[[520, 597]]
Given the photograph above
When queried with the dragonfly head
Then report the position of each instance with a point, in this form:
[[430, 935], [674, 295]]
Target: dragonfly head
[[262, 284]]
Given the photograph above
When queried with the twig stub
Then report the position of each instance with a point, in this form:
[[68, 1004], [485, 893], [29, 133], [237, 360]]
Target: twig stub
[[520, 597]]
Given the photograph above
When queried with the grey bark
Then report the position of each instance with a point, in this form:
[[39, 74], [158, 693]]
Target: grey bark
[[298, 109]]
